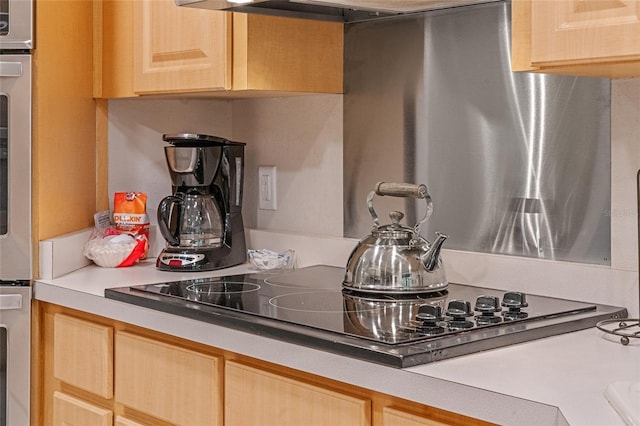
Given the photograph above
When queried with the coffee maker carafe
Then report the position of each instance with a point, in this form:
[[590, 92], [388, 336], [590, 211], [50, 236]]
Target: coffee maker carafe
[[202, 219]]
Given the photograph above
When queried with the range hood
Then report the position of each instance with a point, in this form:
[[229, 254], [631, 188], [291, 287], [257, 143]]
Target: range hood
[[328, 10]]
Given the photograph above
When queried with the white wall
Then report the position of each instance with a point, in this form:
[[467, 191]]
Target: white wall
[[625, 163], [302, 136]]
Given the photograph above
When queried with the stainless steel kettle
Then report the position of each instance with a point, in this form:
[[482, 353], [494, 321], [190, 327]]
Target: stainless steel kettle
[[395, 258]]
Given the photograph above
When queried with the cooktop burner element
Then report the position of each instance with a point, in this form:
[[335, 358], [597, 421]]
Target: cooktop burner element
[[309, 306]]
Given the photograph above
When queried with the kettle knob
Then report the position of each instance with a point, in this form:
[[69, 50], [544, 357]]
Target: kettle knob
[[396, 217]]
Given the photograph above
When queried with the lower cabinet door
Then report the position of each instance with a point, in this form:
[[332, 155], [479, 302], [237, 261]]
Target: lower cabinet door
[[83, 354], [171, 383], [257, 397], [70, 411], [393, 417], [123, 421]]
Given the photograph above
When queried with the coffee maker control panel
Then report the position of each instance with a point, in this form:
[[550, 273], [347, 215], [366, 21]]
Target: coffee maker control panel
[[180, 259]]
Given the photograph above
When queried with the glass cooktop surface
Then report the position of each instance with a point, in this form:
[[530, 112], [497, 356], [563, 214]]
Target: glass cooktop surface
[[309, 305]]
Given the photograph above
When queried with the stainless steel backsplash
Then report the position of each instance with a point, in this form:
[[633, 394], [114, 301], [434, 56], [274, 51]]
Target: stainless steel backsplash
[[516, 163]]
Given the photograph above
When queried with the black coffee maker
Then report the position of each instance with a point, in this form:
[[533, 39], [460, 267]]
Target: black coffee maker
[[202, 219]]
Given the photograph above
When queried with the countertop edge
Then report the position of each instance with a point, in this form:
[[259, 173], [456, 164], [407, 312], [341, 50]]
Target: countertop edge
[[452, 396]]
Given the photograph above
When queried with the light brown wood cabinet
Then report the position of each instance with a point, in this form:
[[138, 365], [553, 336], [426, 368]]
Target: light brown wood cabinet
[[156, 47], [174, 384], [123, 421], [163, 380], [283, 401], [94, 370], [83, 354], [70, 411], [394, 417], [180, 49], [577, 37]]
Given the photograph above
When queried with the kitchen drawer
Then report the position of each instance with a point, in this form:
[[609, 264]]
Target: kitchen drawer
[[283, 401], [123, 421], [83, 354], [168, 382], [70, 411], [393, 417]]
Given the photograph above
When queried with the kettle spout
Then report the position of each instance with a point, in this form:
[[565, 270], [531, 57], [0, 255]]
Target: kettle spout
[[431, 257]]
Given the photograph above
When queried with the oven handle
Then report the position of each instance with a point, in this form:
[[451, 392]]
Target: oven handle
[[10, 69], [10, 301]]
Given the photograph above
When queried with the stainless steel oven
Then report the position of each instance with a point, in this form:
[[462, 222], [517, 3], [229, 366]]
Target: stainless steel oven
[[15, 166], [16, 42], [15, 312], [16, 29]]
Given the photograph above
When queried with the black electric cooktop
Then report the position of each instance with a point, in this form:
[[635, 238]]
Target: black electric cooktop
[[309, 306]]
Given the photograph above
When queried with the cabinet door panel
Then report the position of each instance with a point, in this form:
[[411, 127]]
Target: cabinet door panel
[[584, 30], [180, 48], [83, 354], [276, 400], [393, 417], [168, 382], [123, 421], [276, 53], [69, 411]]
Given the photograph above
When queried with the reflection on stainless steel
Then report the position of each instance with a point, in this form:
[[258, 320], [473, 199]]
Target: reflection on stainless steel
[[516, 163], [385, 320]]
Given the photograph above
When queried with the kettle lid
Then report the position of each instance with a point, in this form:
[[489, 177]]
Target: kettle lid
[[394, 230]]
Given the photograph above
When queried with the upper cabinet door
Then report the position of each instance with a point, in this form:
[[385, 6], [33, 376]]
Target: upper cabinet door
[[180, 49], [579, 31]]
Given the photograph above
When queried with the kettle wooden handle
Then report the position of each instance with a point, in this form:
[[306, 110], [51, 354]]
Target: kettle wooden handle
[[401, 189]]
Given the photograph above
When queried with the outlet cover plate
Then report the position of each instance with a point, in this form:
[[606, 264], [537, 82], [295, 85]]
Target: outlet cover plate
[[267, 188]]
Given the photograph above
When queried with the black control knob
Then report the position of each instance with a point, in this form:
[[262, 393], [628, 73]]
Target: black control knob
[[487, 306], [459, 311], [515, 301], [429, 316], [429, 313]]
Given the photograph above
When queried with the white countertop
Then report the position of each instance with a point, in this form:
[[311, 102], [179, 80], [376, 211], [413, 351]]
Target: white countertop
[[553, 381]]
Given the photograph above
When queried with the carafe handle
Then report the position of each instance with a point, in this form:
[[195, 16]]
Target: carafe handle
[[164, 212]]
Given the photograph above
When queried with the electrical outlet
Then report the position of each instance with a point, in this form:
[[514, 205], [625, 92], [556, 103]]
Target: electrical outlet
[[267, 187]]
